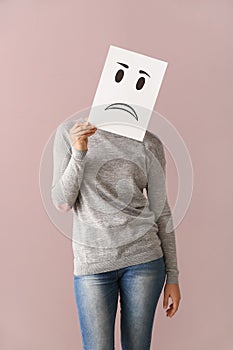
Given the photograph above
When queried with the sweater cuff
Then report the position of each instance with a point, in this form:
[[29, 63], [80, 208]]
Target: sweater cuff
[[77, 154], [172, 279]]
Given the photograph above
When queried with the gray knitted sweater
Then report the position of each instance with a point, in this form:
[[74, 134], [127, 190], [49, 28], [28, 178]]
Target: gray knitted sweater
[[117, 192]]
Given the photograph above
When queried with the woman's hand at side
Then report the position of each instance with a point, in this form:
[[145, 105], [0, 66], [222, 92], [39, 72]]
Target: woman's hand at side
[[171, 290], [79, 134]]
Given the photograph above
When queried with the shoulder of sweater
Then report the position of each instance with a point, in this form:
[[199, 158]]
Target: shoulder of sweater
[[63, 129], [65, 126], [153, 143], [62, 136]]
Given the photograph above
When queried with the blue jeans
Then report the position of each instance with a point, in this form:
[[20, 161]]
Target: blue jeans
[[96, 297]]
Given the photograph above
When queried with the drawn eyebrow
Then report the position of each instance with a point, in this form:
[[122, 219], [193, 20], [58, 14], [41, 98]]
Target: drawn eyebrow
[[143, 72], [123, 64], [126, 66]]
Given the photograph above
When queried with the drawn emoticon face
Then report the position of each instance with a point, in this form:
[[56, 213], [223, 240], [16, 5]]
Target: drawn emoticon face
[[127, 92]]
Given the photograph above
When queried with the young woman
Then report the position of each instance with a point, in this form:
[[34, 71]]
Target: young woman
[[120, 242]]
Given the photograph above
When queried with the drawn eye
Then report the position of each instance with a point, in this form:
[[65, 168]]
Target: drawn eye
[[140, 83], [119, 75]]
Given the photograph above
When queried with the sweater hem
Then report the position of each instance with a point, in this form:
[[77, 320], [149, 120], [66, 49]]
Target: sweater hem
[[107, 265]]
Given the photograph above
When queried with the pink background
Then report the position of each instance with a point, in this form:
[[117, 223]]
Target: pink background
[[52, 54]]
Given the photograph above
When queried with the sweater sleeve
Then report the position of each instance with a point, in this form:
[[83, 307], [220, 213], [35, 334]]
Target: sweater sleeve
[[157, 196], [68, 170]]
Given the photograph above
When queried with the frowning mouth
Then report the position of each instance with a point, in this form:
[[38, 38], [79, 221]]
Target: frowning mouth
[[124, 107]]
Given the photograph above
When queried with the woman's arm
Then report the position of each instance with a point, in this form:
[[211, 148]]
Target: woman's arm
[[157, 196], [68, 170]]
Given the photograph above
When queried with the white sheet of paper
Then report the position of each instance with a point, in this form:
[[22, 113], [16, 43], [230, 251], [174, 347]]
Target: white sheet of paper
[[127, 92]]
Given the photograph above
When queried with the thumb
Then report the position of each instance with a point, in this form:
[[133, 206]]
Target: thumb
[[165, 301]]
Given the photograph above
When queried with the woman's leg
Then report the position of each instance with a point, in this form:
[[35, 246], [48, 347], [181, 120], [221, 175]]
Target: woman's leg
[[140, 289], [97, 298]]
